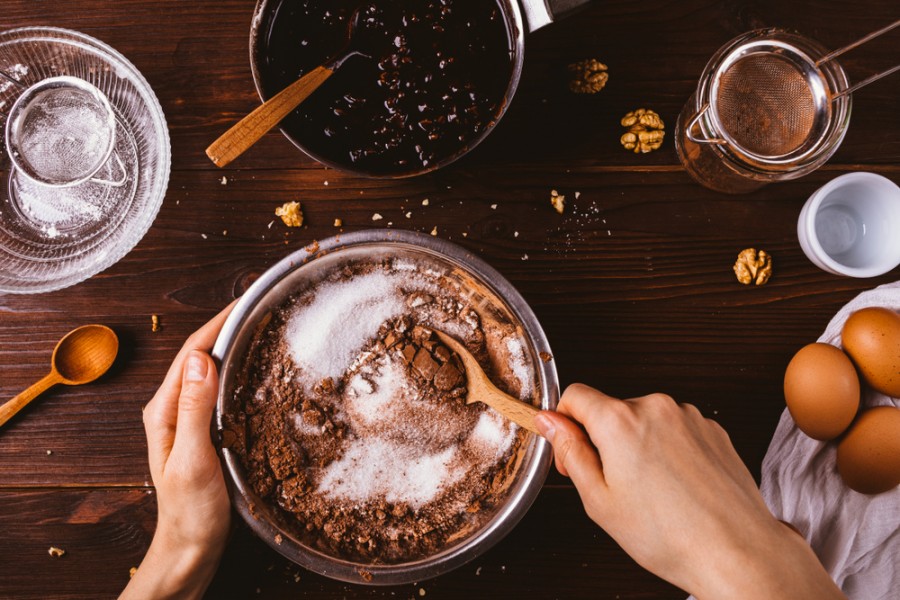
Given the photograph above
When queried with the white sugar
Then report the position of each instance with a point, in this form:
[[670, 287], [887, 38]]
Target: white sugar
[[376, 467], [519, 366], [325, 336], [373, 399], [492, 436]]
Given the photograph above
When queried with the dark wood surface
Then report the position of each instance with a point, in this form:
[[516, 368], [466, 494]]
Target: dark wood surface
[[633, 284]]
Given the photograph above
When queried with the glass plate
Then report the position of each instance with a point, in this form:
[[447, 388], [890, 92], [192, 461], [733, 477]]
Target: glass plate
[[54, 237]]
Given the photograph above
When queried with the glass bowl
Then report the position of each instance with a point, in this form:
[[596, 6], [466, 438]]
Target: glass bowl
[[53, 236], [488, 291]]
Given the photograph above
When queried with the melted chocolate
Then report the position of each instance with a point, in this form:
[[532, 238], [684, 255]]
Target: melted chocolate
[[433, 82]]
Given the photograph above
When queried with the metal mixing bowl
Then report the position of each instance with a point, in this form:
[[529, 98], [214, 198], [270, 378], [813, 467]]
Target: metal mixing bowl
[[271, 291]]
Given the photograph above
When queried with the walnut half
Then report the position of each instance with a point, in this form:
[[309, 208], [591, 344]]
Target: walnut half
[[588, 76], [290, 213], [753, 267], [645, 131]]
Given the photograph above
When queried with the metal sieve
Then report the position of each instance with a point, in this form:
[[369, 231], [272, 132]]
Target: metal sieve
[[61, 131], [772, 105]]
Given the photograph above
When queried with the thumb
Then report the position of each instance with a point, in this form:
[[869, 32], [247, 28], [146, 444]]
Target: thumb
[[573, 451], [199, 389]]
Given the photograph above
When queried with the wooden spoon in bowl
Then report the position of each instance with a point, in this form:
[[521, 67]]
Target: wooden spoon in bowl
[[480, 389], [81, 356], [251, 128]]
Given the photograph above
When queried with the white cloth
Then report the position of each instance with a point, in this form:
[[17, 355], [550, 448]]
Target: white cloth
[[857, 537]]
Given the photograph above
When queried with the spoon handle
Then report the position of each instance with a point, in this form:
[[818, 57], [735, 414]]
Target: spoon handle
[[11, 407], [520, 413], [248, 130]]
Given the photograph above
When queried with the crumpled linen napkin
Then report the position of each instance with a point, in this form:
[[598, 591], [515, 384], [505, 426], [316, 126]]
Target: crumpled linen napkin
[[857, 537]]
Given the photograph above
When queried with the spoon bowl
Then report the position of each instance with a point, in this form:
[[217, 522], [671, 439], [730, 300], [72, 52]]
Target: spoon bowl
[[85, 353], [80, 357]]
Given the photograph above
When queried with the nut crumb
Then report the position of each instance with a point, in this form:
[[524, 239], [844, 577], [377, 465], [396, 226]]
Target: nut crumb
[[290, 213], [753, 267], [154, 323], [558, 202], [131, 572], [434, 231], [545, 356], [408, 215], [645, 131], [421, 591], [377, 217], [56, 552], [493, 207], [425, 202], [278, 539], [366, 575], [224, 180], [524, 257], [338, 222], [464, 234], [49, 452], [587, 76]]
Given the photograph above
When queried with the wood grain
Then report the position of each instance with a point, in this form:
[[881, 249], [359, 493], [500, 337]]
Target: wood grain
[[633, 284]]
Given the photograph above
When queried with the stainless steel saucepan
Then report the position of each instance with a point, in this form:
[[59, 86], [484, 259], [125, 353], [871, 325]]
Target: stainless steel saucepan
[[521, 17]]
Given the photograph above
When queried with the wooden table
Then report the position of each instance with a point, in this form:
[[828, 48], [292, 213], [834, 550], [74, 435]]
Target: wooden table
[[633, 284]]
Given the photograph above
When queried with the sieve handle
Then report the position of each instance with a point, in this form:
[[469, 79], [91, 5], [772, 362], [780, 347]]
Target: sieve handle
[[831, 56], [693, 122], [117, 182]]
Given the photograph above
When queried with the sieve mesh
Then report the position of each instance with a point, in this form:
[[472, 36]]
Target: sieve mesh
[[64, 134], [765, 104]]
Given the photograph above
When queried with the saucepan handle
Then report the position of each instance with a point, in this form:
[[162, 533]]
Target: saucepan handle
[[538, 13]]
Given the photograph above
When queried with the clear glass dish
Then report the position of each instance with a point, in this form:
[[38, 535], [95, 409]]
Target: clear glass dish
[[52, 237]]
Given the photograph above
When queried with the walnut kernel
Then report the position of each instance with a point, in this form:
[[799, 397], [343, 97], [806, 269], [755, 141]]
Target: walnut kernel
[[752, 267], [558, 202], [645, 131], [290, 213], [588, 76], [56, 552]]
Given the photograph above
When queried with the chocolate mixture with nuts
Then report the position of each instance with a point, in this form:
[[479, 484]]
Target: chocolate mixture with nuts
[[433, 80], [385, 463]]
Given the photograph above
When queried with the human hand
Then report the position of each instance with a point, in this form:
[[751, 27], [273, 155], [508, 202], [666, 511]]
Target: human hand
[[193, 508], [669, 487]]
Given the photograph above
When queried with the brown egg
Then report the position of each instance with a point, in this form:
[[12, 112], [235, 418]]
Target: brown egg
[[821, 390], [871, 337], [868, 458]]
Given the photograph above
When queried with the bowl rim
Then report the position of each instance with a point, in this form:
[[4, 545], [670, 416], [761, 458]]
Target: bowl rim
[[521, 496]]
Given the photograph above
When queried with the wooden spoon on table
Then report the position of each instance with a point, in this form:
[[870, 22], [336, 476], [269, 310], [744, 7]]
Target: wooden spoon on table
[[480, 389], [81, 356], [251, 128]]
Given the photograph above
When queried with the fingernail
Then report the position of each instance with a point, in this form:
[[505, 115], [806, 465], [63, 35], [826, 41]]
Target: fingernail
[[195, 369], [545, 426]]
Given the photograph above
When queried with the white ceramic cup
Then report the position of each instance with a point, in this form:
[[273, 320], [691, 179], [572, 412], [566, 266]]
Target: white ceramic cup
[[851, 225]]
